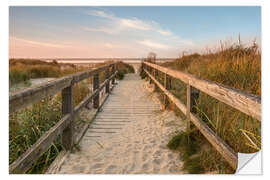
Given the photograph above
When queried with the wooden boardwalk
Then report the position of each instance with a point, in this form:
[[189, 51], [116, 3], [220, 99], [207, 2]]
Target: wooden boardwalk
[[128, 135]]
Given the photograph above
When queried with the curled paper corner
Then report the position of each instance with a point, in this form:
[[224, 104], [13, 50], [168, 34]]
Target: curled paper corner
[[249, 163]]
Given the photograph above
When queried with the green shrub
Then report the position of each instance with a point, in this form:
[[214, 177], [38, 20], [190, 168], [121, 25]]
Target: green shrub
[[175, 142], [187, 145], [193, 166], [120, 75]]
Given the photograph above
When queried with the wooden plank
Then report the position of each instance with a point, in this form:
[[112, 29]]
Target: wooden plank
[[86, 126], [24, 162], [246, 103], [83, 75], [34, 94], [226, 151], [24, 98]]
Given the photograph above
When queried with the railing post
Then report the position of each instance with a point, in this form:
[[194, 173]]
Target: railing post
[[150, 71], [96, 86], [67, 108], [113, 71], [155, 75], [167, 85], [108, 83]]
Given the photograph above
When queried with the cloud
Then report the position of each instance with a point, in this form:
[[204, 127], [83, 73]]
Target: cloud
[[101, 29], [152, 44], [134, 31], [122, 24], [135, 24], [165, 32], [100, 13], [113, 45], [37, 43]]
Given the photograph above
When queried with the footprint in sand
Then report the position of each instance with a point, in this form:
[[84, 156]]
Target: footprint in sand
[[162, 146], [146, 147], [97, 159], [157, 161], [79, 169], [132, 167], [144, 157], [173, 169], [157, 153], [170, 156], [97, 165], [145, 166], [110, 168]]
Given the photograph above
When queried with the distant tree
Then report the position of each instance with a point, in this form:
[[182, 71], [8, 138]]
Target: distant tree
[[54, 62], [152, 57]]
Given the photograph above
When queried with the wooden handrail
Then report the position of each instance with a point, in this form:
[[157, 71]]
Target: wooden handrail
[[227, 95], [246, 103], [66, 125], [31, 95]]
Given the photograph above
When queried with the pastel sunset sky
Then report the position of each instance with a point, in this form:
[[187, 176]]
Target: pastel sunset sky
[[95, 32]]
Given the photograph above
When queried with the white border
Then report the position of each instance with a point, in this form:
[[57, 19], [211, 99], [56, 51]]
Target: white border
[[4, 72]]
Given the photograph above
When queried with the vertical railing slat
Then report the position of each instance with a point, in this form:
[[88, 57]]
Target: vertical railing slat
[[155, 75], [113, 71], [96, 86], [108, 83], [67, 108], [167, 85]]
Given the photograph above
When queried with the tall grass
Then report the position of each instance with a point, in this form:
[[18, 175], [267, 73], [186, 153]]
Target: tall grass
[[29, 124], [236, 67], [123, 68], [21, 70]]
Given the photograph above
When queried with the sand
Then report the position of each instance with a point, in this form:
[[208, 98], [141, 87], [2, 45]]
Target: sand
[[129, 135]]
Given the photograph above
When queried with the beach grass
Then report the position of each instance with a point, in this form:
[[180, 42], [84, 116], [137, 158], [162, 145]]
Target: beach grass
[[237, 67]]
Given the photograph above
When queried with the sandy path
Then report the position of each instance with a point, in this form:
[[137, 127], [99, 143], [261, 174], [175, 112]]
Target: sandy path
[[128, 136]]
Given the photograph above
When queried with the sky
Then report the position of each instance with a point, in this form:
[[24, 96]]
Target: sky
[[96, 32]]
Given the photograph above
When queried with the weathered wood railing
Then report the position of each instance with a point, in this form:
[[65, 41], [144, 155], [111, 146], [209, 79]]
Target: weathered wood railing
[[246, 103], [65, 126]]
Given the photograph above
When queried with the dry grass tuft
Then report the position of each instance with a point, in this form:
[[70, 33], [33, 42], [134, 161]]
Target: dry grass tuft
[[236, 67]]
